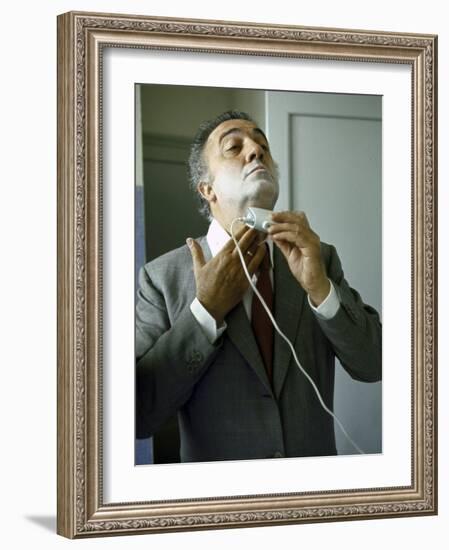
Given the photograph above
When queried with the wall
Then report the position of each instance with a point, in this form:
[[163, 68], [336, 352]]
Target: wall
[[28, 275], [197, 104]]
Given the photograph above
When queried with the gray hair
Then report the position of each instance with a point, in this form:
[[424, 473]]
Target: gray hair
[[197, 166]]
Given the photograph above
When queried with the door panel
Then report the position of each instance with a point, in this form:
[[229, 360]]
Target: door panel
[[329, 150]]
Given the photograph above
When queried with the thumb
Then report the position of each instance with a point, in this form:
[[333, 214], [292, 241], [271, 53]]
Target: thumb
[[197, 254]]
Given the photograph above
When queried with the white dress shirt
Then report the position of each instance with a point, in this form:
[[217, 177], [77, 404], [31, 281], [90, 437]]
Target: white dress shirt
[[217, 237]]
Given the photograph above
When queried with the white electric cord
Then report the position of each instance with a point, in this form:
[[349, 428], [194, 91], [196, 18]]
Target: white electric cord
[[242, 259]]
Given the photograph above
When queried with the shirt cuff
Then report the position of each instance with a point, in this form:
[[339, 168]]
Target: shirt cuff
[[329, 306], [206, 321]]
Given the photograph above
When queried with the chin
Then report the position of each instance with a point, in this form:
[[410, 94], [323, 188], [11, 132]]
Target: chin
[[268, 205], [263, 200]]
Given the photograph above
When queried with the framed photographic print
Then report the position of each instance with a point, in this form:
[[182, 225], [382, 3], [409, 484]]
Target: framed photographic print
[[162, 426]]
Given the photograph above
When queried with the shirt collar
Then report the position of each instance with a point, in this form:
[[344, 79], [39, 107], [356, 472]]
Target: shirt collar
[[217, 237]]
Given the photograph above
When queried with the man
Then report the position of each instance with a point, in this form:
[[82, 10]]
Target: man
[[237, 391]]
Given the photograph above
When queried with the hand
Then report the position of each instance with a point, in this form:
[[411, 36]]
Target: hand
[[221, 282], [301, 247]]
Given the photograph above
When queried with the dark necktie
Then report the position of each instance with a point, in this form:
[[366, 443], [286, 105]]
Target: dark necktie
[[261, 323]]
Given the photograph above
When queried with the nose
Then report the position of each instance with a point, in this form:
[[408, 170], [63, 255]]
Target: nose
[[255, 151]]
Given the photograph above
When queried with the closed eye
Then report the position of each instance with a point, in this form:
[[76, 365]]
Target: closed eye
[[237, 146], [233, 148]]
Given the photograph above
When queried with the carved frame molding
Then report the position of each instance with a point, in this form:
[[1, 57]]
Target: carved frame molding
[[81, 39]]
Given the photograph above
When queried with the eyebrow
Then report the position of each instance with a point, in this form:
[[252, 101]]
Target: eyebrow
[[239, 131]]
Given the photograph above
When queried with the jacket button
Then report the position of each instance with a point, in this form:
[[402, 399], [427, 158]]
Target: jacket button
[[195, 357], [278, 454]]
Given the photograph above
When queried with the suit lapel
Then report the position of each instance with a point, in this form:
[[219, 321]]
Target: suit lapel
[[242, 336], [240, 332], [288, 304]]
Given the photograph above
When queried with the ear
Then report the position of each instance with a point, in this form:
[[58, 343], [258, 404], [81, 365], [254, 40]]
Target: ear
[[207, 191]]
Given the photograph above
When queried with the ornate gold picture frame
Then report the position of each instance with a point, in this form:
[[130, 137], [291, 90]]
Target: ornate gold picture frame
[[82, 40]]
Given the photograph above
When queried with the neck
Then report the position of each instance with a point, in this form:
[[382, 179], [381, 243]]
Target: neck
[[226, 218]]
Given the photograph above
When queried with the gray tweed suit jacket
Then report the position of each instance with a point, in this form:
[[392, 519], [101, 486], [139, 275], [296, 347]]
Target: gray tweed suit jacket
[[226, 407]]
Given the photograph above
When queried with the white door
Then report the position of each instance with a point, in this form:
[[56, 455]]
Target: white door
[[328, 147]]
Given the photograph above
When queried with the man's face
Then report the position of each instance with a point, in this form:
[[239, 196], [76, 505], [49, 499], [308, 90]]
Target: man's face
[[241, 170]]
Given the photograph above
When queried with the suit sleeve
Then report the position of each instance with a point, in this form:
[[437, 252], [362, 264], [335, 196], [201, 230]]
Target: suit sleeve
[[171, 357], [355, 332]]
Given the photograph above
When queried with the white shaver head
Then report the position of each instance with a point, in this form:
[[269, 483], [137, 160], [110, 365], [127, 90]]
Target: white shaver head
[[258, 218]]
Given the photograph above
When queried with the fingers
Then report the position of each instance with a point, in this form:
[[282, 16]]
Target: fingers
[[247, 240], [229, 246], [249, 255], [197, 255], [279, 227], [292, 237], [287, 216], [245, 236], [284, 247], [256, 259], [294, 229], [293, 233]]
